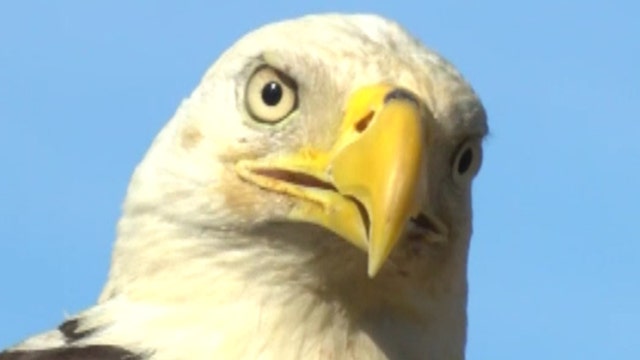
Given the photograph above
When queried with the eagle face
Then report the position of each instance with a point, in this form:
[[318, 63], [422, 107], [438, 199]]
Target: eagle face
[[310, 199], [348, 124]]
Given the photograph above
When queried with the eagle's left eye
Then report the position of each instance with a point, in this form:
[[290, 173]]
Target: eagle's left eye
[[270, 95], [466, 161]]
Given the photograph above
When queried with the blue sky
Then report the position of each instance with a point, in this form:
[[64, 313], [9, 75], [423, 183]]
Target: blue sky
[[554, 270]]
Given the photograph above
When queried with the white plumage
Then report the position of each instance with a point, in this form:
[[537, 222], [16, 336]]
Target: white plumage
[[218, 258]]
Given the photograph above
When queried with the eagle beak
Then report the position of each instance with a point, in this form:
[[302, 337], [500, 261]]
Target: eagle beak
[[369, 184]]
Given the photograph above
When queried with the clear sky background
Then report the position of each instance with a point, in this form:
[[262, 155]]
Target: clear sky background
[[554, 270]]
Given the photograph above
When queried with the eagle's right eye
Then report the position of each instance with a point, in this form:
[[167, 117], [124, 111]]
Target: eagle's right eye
[[271, 95]]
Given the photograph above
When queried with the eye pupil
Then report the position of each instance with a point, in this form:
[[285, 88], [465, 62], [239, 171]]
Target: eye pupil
[[465, 161], [272, 93]]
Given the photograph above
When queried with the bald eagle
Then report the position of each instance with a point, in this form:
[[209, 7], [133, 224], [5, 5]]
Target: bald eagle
[[311, 199]]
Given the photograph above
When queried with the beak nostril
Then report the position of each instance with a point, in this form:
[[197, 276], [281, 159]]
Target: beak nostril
[[364, 122]]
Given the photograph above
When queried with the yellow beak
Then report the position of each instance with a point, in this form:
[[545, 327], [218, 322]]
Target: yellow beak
[[368, 185]]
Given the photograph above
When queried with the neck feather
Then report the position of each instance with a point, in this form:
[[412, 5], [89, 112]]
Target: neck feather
[[312, 290]]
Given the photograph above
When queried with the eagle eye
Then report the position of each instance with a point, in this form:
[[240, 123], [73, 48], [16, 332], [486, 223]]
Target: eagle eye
[[467, 160], [270, 95]]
